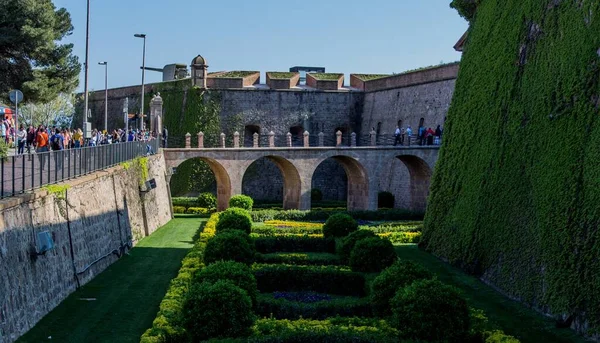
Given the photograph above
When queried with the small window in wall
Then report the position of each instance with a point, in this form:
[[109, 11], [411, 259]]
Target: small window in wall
[[297, 135]]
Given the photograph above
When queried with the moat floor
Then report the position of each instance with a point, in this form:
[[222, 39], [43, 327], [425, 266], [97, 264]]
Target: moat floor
[[513, 318], [127, 293]]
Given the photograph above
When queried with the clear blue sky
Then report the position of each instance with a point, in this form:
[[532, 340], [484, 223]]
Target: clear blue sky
[[347, 36]]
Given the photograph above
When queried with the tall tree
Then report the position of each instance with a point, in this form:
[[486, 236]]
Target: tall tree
[[31, 56], [57, 112]]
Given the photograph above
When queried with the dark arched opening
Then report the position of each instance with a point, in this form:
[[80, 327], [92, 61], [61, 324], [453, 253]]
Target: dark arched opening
[[199, 175], [249, 131], [273, 180], [342, 178], [420, 178], [297, 135]]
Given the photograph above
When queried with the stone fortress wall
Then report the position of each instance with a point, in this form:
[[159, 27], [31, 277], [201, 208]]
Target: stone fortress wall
[[96, 217], [375, 104]]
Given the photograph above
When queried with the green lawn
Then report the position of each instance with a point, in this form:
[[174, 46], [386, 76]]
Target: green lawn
[[512, 317], [127, 293]]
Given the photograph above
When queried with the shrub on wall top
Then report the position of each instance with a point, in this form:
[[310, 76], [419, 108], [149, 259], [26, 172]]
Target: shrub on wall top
[[399, 275], [204, 315], [231, 245], [372, 255], [235, 219], [207, 200], [431, 311], [241, 201], [339, 225]]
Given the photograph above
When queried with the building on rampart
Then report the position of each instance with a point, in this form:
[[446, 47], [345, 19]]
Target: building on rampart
[[282, 105]]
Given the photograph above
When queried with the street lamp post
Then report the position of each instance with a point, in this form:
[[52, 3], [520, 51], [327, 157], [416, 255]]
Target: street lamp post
[[105, 64], [142, 35], [87, 51]]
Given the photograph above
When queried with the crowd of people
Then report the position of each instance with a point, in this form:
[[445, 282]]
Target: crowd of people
[[43, 139], [424, 136]]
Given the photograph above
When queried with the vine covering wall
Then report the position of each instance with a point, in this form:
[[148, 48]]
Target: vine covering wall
[[516, 192]]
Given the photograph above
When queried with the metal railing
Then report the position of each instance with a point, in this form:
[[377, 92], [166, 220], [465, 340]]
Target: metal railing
[[279, 141], [21, 173]]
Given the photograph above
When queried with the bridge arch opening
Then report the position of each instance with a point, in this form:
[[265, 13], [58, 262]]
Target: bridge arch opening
[[273, 180], [407, 177], [342, 178], [199, 175]]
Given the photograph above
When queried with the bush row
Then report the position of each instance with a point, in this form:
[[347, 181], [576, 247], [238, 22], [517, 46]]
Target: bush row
[[204, 200], [321, 259], [402, 237], [194, 210], [268, 307], [267, 245], [322, 215], [320, 279]]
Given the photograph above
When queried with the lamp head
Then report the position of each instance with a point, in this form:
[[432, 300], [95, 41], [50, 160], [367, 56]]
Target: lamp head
[[140, 35], [103, 63]]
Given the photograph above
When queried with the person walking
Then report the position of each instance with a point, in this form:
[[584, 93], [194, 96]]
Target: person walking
[[57, 142], [30, 138], [409, 134], [421, 135], [41, 143], [438, 135], [397, 138], [165, 137], [21, 139]]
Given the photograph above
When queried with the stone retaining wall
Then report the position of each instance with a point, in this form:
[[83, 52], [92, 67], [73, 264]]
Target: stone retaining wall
[[98, 216]]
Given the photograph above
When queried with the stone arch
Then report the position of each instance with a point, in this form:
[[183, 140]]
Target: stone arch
[[358, 182], [224, 188], [291, 180], [420, 177]]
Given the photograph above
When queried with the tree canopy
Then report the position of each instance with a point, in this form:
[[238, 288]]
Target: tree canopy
[[31, 56]]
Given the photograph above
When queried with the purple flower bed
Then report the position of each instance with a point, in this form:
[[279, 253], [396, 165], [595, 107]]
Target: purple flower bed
[[303, 297]]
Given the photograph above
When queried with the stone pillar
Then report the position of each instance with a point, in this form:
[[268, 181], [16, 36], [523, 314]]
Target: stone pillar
[[200, 140], [373, 136], [321, 139], [188, 141], [255, 140], [289, 139], [353, 140], [271, 139], [223, 140], [236, 139], [306, 139], [156, 107], [338, 138]]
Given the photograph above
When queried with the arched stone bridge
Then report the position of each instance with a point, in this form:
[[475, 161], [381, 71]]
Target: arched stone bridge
[[363, 166]]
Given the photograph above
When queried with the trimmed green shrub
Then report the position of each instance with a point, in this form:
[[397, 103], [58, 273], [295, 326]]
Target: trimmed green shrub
[[241, 201], [235, 219], [302, 259], [348, 243], [200, 211], [239, 274], [320, 279], [431, 311], [301, 230], [207, 200], [385, 200], [316, 195], [324, 214], [231, 245], [185, 202], [267, 245], [204, 314], [178, 209], [399, 275], [372, 255], [285, 309], [498, 336], [339, 225]]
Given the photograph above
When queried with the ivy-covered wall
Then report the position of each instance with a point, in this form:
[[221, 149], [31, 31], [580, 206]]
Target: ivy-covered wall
[[515, 196]]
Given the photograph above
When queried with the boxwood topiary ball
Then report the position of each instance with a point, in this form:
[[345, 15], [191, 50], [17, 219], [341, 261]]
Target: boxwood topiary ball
[[231, 245], [371, 255], [234, 219], [339, 225]]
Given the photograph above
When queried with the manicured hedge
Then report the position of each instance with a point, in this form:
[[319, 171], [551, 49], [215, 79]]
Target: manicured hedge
[[322, 215], [185, 202], [299, 259], [321, 279], [241, 201], [345, 248], [339, 225], [235, 218], [285, 309], [371, 255], [230, 245], [168, 325], [267, 245]]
